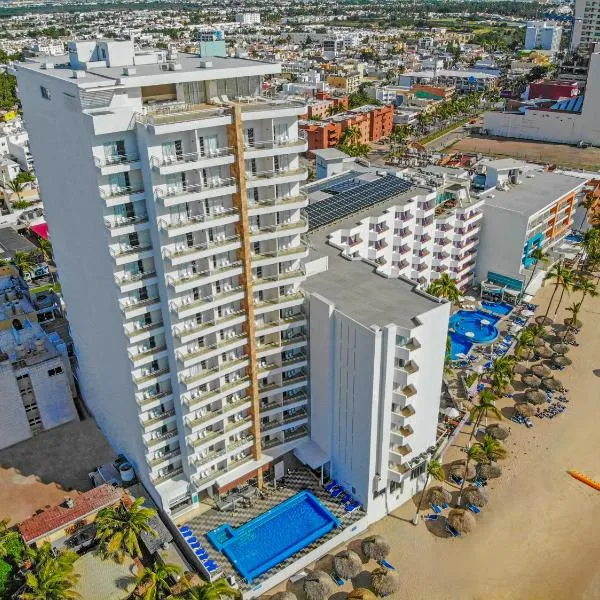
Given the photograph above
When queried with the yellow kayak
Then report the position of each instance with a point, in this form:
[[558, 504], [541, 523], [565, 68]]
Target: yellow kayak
[[585, 479]]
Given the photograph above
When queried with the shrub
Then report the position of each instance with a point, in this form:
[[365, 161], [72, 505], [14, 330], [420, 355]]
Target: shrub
[[470, 379], [20, 204], [6, 582]]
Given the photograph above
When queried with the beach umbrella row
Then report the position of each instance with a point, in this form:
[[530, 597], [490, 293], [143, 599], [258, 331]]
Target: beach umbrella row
[[477, 496], [560, 348], [462, 520], [318, 585], [459, 469], [551, 383], [347, 564], [521, 369], [524, 409], [531, 381], [385, 581], [541, 370], [375, 547], [562, 361], [438, 495], [489, 470], [497, 431], [535, 397], [544, 352]]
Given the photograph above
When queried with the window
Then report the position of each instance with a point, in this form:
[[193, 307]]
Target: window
[[45, 92], [55, 371], [418, 470]]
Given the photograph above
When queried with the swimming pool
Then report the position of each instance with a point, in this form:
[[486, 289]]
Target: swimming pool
[[498, 308], [459, 345], [475, 325], [270, 538]]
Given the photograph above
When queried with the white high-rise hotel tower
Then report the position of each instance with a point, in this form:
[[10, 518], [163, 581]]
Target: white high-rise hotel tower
[[173, 198]]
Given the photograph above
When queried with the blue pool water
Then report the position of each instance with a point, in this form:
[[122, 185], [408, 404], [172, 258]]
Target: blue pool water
[[472, 326], [498, 308], [270, 538], [459, 345], [574, 238]]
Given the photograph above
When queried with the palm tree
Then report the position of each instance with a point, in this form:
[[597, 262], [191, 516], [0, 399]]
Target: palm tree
[[473, 453], [556, 275], [211, 591], [568, 279], [502, 372], [119, 529], [574, 310], [448, 370], [436, 471], [8, 539], [445, 287], [588, 202], [351, 136], [587, 287], [52, 578], [538, 257], [46, 249], [487, 404], [526, 340], [12, 187], [25, 261], [491, 449], [155, 583]]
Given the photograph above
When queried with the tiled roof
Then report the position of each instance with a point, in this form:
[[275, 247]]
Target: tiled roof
[[57, 517]]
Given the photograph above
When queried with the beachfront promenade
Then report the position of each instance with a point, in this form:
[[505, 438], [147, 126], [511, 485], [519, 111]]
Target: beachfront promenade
[[539, 535]]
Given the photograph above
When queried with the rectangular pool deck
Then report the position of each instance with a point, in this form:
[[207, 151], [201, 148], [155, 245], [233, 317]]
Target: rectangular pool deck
[[297, 481]]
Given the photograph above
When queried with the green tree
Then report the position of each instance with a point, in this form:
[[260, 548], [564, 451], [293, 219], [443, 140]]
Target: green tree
[[473, 453], [555, 276], [52, 577], [538, 257], [26, 262], [566, 284], [434, 470], [491, 450], [501, 373], [25, 177], [10, 540], [119, 529], [588, 202], [8, 91], [445, 287], [45, 247], [154, 583], [12, 187], [486, 405], [526, 341], [587, 288], [216, 590]]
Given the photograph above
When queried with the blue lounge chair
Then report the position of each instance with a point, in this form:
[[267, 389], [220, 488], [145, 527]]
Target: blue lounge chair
[[332, 484], [451, 530], [191, 540], [444, 505], [352, 506], [436, 509], [473, 508], [196, 546], [211, 567], [337, 578], [431, 517], [458, 480], [386, 564], [184, 529], [337, 493], [346, 498]]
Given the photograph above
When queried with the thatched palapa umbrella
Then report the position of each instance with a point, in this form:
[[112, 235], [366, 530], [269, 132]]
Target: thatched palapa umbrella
[[560, 348], [508, 389], [544, 352], [497, 431], [476, 496], [458, 469], [531, 381], [489, 470], [318, 586], [570, 337], [524, 409], [462, 520], [541, 370], [361, 594], [551, 383], [347, 564], [562, 361], [375, 547], [540, 343], [385, 581], [535, 397], [527, 354], [438, 495], [284, 596], [521, 369], [571, 323], [541, 320]]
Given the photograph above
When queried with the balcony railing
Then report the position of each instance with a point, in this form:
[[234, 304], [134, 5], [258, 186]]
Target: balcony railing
[[133, 277], [116, 159], [196, 188], [128, 250], [117, 222], [141, 328], [181, 113], [271, 144], [250, 176], [186, 250], [167, 476], [190, 157], [190, 277], [151, 375], [125, 190], [156, 460], [158, 418], [186, 222], [157, 439]]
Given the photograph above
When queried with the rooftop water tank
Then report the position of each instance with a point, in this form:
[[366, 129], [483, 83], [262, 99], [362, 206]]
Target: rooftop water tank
[[126, 471]]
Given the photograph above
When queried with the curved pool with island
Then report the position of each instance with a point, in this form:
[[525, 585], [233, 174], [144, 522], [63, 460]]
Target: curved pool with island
[[468, 327]]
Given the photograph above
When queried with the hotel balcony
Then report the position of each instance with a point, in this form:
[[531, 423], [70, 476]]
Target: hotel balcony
[[118, 163], [298, 341], [289, 277], [166, 476], [404, 232], [157, 438], [193, 380], [260, 107], [276, 147], [157, 459], [128, 254], [264, 178], [151, 377], [186, 282], [298, 418], [135, 308], [174, 227], [279, 255], [122, 195], [288, 436], [150, 399], [281, 324], [268, 232], [280, 404], [397, 471], [199, 399], [124, 225], [184, 117], [183, 253], [218, 186], [192, 161], [410, 367], [128, 282], [404, 216], [158, 419], [294, 298], [407, 391], [205, 416], [259, 207], [146, 356], [136, 332], [192, 357], [188, 306], [190, 330]]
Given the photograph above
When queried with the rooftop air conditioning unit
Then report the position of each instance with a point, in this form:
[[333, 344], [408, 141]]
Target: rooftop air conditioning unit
[[47, 65], [205, 64], [78, 74], [173, 66], [129, 71]]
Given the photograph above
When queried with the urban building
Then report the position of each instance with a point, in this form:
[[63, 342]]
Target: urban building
[[249, 18], [333, 47], [525, 208], [184, 294], [35, 374], [413, 232], [543, 35], [569, 121], [348, 83], [375, 367], [586, 25], [464, 81], [552, 89]]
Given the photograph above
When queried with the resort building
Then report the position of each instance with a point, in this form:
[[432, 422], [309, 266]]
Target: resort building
[[415, 232], [525, 208], [377, 348], [35, 375], [586, 25], [172, 189], [463, 81], [543, 35]]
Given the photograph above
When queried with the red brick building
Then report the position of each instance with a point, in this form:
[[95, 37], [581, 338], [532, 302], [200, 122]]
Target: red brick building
[[553, 90]]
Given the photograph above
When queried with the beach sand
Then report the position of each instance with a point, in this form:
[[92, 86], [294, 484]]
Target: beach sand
[[539, 535]]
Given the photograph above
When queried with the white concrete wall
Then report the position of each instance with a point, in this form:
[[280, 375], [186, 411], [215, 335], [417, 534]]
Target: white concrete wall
[[14, 426]]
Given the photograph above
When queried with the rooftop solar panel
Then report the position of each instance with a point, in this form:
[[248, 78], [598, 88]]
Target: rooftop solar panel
[[346, 203]]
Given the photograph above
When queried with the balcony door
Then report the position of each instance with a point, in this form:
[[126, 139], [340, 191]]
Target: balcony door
[[118, 182], [114, 151]]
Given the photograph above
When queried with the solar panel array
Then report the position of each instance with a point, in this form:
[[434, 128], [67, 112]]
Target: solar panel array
[[343, 186], [341, 205]]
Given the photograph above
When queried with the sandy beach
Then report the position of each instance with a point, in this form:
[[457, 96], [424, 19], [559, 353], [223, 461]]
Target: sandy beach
[[539, 535]]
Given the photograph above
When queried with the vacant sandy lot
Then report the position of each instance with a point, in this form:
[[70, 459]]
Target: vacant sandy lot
[[540, 152]]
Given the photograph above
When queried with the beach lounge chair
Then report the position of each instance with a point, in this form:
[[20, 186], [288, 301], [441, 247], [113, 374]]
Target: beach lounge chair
[[352, 506], [431, 517], [386, 564], [473, 508], [337, 578], [184, 529], [436, 509], [211, 566], [451, 530], [196, 546], [444, 505], [456, 479], [337, 492], [191, 540], [332, 484], [346, 498]]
